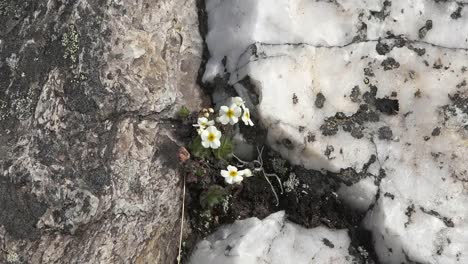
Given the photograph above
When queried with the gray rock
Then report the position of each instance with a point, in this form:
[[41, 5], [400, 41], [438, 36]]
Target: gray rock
[[87, 148]]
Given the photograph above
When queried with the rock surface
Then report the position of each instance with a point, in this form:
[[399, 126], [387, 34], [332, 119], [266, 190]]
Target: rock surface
[[273, 240], [374, 92], [87, 150]]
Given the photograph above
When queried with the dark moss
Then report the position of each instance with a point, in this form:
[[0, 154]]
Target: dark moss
[[295, 99], [368, 72], [369, 96], [423, 31], [461, 84], [447, 221], [328, 151], [457, 13], [390, 64], [460, 101], [387, 106], [328, 243], [436, 132], [355, 94], [365, 114], [385, 133], [410, 210], [389, 195], [351, 124], [320, 100], [419, 51], [357, 132], [384, 12], [361, 34], [312, 203], [382, 48], [330, 127], [437, 64], [417, 94], [310, 137]]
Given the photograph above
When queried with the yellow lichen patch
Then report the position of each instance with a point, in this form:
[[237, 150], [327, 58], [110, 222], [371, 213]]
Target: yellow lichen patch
[[70, 42]]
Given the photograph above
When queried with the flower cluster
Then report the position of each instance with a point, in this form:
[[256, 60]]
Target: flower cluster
[[210, 135], [231, 114]]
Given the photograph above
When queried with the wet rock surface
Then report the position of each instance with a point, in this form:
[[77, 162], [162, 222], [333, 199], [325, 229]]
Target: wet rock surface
[[88, 90]]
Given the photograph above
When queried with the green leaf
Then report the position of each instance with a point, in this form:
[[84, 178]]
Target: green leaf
[[213, 196], [224, 151], [197, 149], [184, 112], [199, 172]]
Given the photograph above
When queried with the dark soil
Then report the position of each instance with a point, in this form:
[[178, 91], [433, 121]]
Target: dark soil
[[311, 203]]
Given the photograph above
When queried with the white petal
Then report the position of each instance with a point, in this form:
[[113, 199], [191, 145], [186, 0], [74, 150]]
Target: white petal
[[237, 110], [231, 168], [237, 100], [229, 180], [251, 123], [214, 130], [202, 120], [223, 119], [237, 179], [218, 134], [211, 123], [223, 110], [204, 135], [215, 144], [224, 173], [245, 120], [205, 144], [233, 120], [211, 129], [246, 173]]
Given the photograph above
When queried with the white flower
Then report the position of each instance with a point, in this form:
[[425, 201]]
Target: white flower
[[246, 117], [210, 137], [246, 173], [238, 101], [231, 175], [204, 123], [229, 114]]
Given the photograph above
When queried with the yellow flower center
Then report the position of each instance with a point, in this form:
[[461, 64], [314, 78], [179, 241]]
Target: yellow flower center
[[211, 137], [230, 113], [233, 173], [247, 115]]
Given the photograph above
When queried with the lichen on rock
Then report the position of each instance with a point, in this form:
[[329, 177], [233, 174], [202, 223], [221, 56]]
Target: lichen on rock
[[87, 97]]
